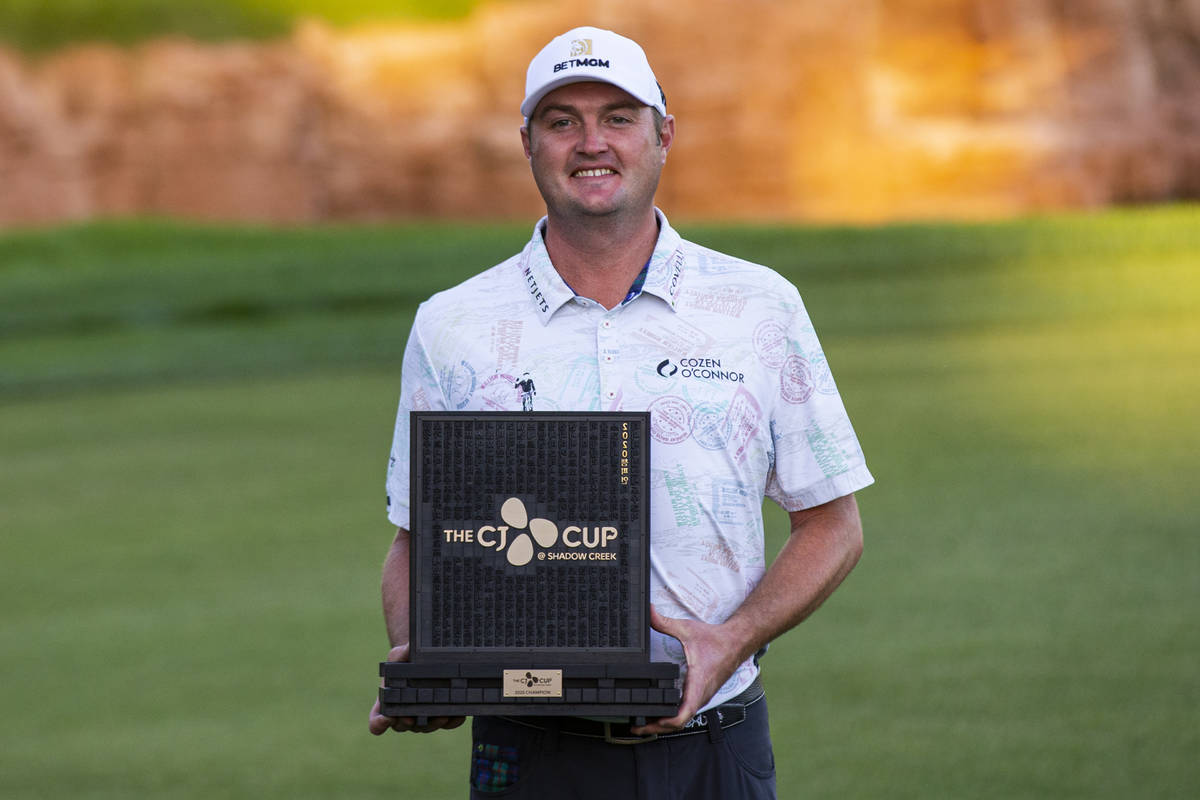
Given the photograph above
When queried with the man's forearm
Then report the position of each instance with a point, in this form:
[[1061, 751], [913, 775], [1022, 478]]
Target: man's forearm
[[824, 545], [394, 589], [395, 613]]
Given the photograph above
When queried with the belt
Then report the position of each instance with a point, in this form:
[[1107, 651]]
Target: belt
[[727, 715]]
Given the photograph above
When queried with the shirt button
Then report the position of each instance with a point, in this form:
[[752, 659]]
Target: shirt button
[[607, 323], [608, 359]]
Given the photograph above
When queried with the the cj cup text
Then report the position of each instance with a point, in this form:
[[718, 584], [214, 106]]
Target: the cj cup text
[[541, 531], [587, 536]]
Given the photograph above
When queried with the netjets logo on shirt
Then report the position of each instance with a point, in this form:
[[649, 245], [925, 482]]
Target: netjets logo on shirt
[[518, 535], [705, 369]]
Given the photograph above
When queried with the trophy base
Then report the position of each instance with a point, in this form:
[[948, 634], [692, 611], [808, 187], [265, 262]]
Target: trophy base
[[638, 691]]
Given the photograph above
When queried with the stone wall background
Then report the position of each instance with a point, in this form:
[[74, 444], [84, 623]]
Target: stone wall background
[[859, 110]]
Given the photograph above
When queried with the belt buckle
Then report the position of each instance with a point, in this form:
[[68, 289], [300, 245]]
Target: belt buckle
[[608, 737]]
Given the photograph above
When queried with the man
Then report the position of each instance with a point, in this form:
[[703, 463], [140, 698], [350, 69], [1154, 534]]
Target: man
[[608, 308], [527, 392]]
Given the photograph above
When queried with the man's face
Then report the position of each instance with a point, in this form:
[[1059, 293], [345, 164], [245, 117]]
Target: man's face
[[594, 151]]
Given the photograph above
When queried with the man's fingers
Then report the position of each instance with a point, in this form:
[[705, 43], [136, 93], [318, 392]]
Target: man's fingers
[[664, 725], [668, 625], [433, 724], [377, 723], [688, 707], [687, 710]]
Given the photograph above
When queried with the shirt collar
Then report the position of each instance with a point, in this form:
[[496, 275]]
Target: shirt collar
[[549, 292], [664, 278]]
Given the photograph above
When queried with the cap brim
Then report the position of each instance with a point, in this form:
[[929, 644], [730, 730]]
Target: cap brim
[[530, 103]]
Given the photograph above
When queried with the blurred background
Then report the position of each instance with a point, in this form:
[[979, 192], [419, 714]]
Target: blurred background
[[217, 220], [857, 110]]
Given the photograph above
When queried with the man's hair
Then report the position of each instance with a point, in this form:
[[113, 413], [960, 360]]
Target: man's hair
[[659, 121]]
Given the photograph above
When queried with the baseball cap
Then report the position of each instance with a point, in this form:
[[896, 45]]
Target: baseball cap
[[591, 54]]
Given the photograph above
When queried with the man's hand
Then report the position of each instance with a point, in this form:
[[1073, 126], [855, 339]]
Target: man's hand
[[712, 653], [378, 723], [824, 545]]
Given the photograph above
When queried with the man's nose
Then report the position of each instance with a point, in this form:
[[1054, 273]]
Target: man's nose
[[592, 139]]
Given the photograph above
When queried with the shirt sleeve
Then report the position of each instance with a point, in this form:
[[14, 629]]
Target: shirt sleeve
[[419, 391], [817, 454]]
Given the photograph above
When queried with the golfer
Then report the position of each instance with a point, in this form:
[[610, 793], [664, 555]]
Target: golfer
[[608, 308]]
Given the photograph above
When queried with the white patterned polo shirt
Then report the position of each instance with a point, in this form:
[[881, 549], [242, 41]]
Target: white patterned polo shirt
[[721, 353]]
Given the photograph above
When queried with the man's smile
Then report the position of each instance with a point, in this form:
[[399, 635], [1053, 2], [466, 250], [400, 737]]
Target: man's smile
[[596, 172]]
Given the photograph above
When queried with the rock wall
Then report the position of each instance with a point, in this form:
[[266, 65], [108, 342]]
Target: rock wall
[[859, 110]]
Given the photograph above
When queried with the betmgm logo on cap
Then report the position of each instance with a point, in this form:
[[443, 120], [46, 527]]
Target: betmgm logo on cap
[[591, 54]]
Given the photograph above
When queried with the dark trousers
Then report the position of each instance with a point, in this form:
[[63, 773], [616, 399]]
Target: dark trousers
[[534, 761]]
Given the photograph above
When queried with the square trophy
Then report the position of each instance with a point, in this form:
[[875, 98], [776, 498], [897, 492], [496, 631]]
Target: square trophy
[[530, 569]]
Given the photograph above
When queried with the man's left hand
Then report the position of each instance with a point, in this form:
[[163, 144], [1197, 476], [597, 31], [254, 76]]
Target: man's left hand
[[712, 656]]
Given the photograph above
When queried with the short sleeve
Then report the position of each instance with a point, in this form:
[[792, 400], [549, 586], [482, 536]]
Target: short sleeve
[[419, 391], [817, 456]]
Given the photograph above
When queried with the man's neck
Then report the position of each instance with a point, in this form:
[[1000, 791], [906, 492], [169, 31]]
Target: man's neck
[[600, 260]]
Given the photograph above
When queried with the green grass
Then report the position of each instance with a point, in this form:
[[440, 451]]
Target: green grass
[[193, 428], [38, 25]]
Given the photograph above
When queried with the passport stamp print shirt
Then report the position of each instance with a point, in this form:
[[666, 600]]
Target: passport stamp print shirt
[[722, 354]]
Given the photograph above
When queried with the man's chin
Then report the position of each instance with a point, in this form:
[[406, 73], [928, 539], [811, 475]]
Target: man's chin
[[601, 213], [600, 208]]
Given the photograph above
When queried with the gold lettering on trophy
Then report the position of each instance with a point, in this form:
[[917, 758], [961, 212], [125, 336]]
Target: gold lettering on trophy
[[488, 530], [533, 683], [624, 453], [535, 537], [591, 537]]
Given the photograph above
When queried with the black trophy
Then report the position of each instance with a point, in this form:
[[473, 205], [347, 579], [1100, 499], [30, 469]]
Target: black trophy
[[530, 569]]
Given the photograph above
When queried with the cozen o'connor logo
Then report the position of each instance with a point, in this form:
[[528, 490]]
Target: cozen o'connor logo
[[705, 369], [517, 536]]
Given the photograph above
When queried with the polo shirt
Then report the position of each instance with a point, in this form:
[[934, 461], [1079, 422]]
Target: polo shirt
[[722, 354]]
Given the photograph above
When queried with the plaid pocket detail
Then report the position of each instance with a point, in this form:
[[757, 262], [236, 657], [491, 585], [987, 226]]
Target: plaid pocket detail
[[493, 768]]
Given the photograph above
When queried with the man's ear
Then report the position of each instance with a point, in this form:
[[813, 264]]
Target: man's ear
[[525, 141], [668, 135]]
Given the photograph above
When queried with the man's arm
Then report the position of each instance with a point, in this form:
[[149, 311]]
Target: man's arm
[[394, 588], [824, 545]]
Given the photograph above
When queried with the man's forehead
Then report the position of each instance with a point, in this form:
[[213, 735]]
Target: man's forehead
[[587, 93]]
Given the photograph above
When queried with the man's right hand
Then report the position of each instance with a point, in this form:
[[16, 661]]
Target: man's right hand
[[378, 723]]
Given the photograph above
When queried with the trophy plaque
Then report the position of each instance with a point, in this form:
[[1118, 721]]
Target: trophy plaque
[[529, 569]]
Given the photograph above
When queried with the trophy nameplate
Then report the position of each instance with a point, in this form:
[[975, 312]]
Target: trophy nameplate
[[529, 569]]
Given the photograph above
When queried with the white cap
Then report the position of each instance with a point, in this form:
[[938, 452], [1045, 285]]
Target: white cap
[[591, 54]]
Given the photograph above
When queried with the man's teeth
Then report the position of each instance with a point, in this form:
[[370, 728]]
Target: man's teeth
[[594, 173]]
